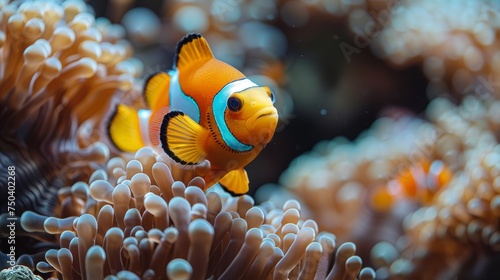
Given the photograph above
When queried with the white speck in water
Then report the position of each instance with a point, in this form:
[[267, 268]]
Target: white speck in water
[[322, 112]]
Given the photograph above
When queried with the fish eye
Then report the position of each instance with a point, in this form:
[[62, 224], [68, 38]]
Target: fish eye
[[234, 104], [271, 94]]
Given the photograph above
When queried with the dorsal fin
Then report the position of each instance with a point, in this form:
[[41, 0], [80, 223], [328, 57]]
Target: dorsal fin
[[193, 47], [156, 90]]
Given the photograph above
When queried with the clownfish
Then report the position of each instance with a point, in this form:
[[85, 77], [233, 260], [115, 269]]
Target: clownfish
[[203, 109], [420, 182]]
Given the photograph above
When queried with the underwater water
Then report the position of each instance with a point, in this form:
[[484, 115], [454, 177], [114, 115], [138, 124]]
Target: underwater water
[[384, 162]]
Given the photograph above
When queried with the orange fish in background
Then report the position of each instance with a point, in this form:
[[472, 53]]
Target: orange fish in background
[[203, 109], [420, 182]]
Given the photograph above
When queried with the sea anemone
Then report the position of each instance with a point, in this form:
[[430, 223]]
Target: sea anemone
[[431, 238], [58, 76], [19, 272], [135, 220], [456, 42], [461, 226], [334, 180]]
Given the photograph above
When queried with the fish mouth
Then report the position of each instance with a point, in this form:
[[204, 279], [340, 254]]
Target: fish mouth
[[262, 125], [267, 114], [264, 113]]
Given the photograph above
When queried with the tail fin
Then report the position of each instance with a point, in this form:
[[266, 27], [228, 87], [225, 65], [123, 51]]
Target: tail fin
[[124, 129]]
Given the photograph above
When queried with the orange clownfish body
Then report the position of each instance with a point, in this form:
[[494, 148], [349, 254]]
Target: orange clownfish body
[[203, 109], [420, 182]]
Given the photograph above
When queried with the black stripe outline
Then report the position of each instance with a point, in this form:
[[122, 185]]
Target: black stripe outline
[[163, 137], [108, 126]]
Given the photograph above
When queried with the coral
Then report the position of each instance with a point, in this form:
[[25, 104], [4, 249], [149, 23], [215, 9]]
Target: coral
[[59, 74], [457, 46], [335, 178], [462, 222], [419, 238], [338, 180], [135, 220], [19, 272]]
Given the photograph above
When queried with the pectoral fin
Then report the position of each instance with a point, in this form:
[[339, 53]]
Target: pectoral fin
[[236, 182], [182, 138], [124, 129]]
